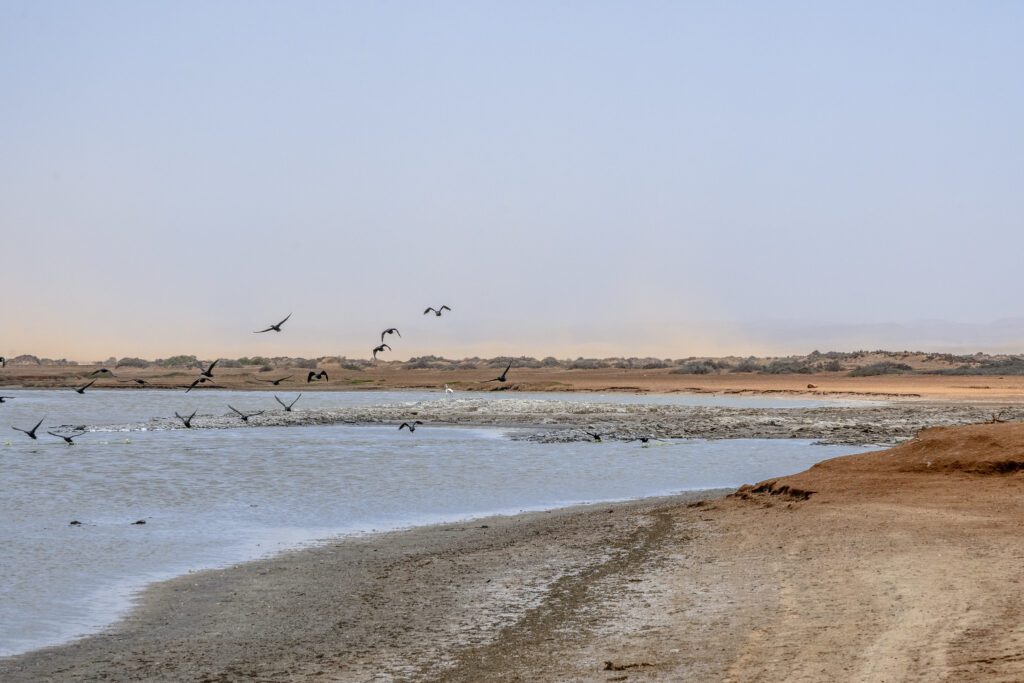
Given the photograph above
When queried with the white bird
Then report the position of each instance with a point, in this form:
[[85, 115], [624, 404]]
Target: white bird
[[448, 389]]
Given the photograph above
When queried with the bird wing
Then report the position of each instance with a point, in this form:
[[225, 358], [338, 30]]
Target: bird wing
[[212, 364], [295, 401], [424, 313], [280, 401], [310, 376], [323, 373], [284, 321], [397, 332], [386, 347], [236, 410], [400, 427], [261, 331], [445, 308], [37, 425], [193, 414], [59, 436], [508, 367]]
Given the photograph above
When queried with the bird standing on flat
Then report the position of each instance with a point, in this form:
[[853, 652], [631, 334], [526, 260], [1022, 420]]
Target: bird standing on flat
[[31, 432], [276, 382], [68, 439], [208, 372], [437, 311], [380, 349], [81, 390], [322, 375], [448, 390], [390, 330], [410, 425], [275, 328], [186, 420], [287, 406], [198, 380], [245, 418], [503, 377]]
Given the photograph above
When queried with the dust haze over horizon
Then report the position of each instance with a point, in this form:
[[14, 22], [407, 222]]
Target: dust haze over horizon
[[665, 179]]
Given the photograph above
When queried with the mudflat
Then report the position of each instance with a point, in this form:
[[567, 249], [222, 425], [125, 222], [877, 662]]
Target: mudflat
[[902, 564]]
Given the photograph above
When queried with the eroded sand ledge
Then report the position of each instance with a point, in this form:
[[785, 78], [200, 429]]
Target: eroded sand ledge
[[898, 565]]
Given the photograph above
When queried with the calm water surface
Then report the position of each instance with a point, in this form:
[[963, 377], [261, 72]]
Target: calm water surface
[[219, 496]]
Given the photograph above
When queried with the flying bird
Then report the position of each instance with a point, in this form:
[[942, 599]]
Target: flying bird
[[7, 398], [390, 330], [68, 439], [208, 372], [186, 420], [322, 375], [276, 382], [437, 311], [81, 390], [275, 328], [245, 418], [410, 425], [594, 435], [3, 362], [503, 377], [287, 406], [140, 382], [31, 432], [380, 349], [101, 371], [199, 380]]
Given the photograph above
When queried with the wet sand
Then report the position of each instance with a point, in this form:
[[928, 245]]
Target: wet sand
[[895, 565]]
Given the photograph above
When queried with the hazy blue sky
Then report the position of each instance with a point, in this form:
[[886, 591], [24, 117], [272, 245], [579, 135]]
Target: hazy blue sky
[[572, 178]]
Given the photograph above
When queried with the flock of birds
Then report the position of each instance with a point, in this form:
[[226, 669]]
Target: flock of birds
[[206, 376]]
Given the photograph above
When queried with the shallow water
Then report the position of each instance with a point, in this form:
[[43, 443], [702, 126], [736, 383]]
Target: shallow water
[[214, 497]]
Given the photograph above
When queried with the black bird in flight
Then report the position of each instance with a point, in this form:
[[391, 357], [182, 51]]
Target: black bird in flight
[[208, 372], [140, 382], [594, 435], [437, 311], [287, 406], [3, 362], [390, 330], [101, 371], [186, 420], [322, 375], [199, 380], [276, 382], [31, 432], [275, 328], [503, 377], [81, 390], [380, 349], [411, 425], [68, 439], [245, 418], [7, 398]]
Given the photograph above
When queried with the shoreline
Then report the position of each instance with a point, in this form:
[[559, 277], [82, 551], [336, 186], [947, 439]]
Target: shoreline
[[655, 382], [147, 604], [900, 564]]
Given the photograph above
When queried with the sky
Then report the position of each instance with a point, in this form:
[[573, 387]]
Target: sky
[[572, 179]]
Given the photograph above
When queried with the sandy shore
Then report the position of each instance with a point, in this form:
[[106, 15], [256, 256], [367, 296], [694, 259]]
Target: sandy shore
[[896, 565], [1004, 389]]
